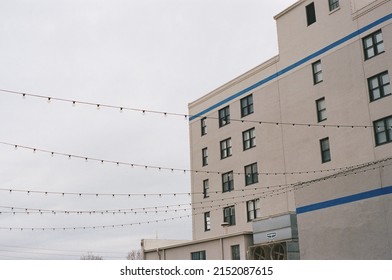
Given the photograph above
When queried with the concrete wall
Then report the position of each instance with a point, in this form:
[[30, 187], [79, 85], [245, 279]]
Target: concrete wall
[[354, 230], [289, 97], [216, 249]]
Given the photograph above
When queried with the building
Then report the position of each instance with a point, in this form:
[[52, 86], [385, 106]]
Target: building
[[292, 160]]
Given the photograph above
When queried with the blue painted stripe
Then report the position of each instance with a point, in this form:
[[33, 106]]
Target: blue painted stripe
[[345, 200], [294, 65]]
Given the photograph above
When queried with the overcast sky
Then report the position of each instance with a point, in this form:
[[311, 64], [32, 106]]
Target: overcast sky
[[148, 54]]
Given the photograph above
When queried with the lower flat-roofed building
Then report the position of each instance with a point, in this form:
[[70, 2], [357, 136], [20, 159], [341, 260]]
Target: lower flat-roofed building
[[292, 160]]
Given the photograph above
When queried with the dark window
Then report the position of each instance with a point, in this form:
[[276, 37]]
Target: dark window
[[235, 252], [310, 14], [206, 188], [317, 72], [321, 110], [253, 209], [204, 153], [229, 215], [225, 148], [379, 86], [373, 44], [224, 116], [383, 130], [203, 126], [325, 150], [249, 138], [247, 105], [227, 182], [251, 174], [207, 221], [201, 255], [333, 4]]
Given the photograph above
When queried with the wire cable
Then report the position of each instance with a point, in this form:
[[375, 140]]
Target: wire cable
[[159, 168], [185, 116]]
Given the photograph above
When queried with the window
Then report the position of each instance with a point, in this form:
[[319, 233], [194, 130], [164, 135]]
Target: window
[[249, 138], [246, 105], [310, 14], [373, 44], [383, 130], [227, 182], [235, 252], [225, 147], [204, 153], [224, 116], [207, 221], [206, 188], [321, 110], [203, 126], [229, 215], [333, 4], [317, 72], [379, 86], [201, 255], [325, 150], [253, 209], [251, 175]]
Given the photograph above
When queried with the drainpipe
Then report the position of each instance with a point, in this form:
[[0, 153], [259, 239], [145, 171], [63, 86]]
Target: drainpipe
[[159, 254], [224, 226], [221, 245]]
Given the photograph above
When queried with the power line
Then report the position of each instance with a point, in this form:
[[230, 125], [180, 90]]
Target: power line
[[63, 250]]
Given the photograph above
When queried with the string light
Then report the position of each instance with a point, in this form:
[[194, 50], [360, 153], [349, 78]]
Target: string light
[[92, 227], [295, 186], [271, 188], [171, 169], [23, 210], [187, 116]]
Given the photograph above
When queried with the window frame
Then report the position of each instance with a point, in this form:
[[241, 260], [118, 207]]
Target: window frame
[[235, 252], [255, 212], [310, 13], [224, 116], [229, 219], [374, 45], [198, 255], [325, 152], [321, 110], [228, 185], [387, 130], [317, 74], [381, 86], [251, 177], [207, 221], [333, 5], [206, 188], [247, 107], [203, 126], [225, 148], [251, 140], [204, 155]]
